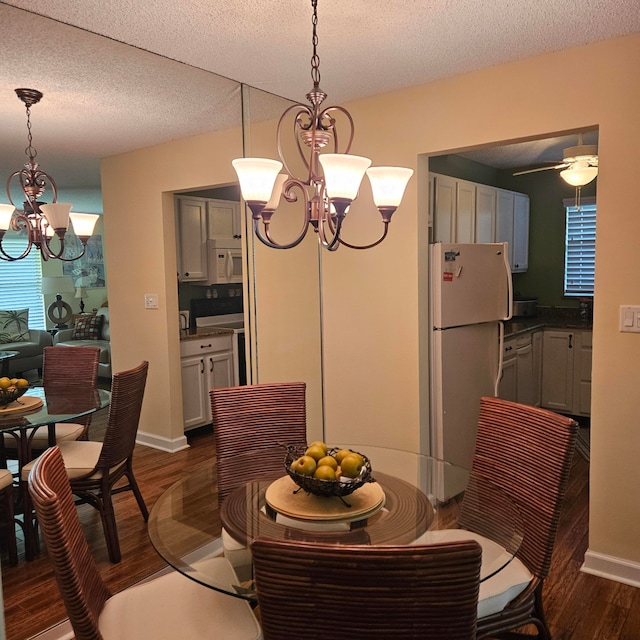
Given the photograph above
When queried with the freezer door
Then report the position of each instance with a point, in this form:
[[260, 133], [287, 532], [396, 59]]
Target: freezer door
[[470, 283], [464, 367]]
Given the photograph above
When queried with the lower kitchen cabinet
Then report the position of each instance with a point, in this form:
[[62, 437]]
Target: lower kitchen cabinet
[[518, 380], [566, 371], [206, 363]]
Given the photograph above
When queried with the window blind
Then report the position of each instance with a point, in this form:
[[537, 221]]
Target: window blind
[[21, 281], [580, 250]]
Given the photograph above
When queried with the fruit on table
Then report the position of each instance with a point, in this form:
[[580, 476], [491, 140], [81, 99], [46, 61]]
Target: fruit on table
[[304, 465], [5, 382], [351, 465], [324, 472], [316, 451], [341, 454], [328, 461], [320, 444]]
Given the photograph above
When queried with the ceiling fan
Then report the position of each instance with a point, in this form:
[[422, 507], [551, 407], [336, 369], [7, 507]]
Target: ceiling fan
[[579, 164]]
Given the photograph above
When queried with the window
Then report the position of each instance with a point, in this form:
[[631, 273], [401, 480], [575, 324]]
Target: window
[[580, 248], [21, 281]]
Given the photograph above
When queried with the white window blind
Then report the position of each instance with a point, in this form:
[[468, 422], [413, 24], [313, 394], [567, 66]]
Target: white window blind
[[580, 248], [21, 281]]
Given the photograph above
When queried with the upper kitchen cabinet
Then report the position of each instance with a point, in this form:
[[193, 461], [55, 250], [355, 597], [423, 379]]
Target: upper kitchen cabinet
[[223, 220], [513, 227], [191, 222], [454, 210], [486, 198]]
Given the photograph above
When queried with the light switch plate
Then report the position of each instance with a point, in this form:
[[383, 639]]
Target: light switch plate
[[629, 319], [150, 300]]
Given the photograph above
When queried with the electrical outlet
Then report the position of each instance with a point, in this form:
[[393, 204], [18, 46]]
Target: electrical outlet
[[150, 300]]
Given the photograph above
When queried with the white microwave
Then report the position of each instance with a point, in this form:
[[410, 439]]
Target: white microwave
[[224, 261]]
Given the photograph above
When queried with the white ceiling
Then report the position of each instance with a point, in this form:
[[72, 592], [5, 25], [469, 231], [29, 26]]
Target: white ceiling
[[102, 98]]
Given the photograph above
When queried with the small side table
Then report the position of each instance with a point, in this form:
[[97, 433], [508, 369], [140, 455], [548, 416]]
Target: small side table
[[5, 356]]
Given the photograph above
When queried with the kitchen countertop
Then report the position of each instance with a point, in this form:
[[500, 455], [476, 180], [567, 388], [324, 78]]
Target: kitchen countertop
[[522, 325], [203, 332]]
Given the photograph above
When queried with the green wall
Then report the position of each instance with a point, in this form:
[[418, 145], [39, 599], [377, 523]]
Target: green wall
[[546, 191]]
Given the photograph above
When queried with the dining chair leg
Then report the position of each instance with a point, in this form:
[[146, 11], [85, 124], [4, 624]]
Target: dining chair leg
[[136, 492], [108, 516], [6, 504], [29, 523]]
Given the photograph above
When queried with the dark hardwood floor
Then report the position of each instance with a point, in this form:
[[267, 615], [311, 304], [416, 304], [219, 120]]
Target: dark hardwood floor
[[578, 606]]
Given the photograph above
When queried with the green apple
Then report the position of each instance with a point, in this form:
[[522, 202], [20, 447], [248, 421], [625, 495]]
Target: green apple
[[351, 465], [342, 454], [304, 465], [320, 444]]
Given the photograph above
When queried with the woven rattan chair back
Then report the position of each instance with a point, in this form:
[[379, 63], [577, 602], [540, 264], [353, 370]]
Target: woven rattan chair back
[[256, 418], [82, 588], [428, 592], [71, 368], [527, 452], [127, 393]]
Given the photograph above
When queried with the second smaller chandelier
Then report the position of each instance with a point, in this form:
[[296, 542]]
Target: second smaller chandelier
[[327, 194]]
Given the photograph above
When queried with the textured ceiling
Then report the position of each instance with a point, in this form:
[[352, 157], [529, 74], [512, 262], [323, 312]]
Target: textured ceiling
[[161, 88]]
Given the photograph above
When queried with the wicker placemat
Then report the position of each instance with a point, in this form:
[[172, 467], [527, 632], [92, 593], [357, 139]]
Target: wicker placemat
[[363, 502], [25, 403]]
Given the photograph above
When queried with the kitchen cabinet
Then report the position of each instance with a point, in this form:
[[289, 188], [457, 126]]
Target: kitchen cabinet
[[517, 381], [566, 371], [464, 211], [512, 226], [486, 198], [508, 387], [223, 220], [536, 347], [206, 363], [191, 235]]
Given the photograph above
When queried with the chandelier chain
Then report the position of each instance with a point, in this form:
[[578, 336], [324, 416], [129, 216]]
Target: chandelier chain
[[315, 58], [30, 150]]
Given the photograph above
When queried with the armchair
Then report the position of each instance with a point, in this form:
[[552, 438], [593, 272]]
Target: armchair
[[30, 352], [71, 338]]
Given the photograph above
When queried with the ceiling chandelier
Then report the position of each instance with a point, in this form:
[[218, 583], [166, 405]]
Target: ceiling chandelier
[[39, 221], [328, 194]]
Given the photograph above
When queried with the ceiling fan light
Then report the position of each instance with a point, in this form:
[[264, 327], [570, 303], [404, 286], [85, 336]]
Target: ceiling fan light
[[257, 177], [343, 174], [578, 176], [388, 184]]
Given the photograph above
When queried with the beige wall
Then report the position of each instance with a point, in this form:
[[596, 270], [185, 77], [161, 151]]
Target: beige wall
[[374, 307]]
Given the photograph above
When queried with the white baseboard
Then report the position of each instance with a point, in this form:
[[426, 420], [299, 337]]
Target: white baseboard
[[612, 568], [163, 444]]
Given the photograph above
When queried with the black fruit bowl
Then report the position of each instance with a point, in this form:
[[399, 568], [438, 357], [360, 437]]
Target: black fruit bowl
[[11, 394], [326, 487]]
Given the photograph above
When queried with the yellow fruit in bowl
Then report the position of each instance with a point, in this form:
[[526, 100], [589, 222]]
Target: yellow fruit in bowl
[[324, 472], [5, 382], [328, 461], [316, 452], [22, 383], [351, 465], [319, 443], [304, 465], [341, 454]]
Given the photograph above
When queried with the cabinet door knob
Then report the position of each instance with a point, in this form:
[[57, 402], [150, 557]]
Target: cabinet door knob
[[201, 365], [211, 363], [571, 341], [186, 274]]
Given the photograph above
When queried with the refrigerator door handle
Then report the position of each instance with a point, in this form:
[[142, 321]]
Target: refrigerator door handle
[[505, 255], [496, 387]]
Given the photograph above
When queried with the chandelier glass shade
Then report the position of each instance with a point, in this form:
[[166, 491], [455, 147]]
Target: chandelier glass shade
[[41, 222], [332, 178]]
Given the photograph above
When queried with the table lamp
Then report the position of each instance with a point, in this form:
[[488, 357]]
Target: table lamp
[[81, 292], [59, 312]]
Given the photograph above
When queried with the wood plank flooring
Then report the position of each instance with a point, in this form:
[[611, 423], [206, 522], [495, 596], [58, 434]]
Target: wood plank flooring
[[578, 606]]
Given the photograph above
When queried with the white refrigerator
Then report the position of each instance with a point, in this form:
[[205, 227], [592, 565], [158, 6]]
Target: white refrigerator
[[470, 295]]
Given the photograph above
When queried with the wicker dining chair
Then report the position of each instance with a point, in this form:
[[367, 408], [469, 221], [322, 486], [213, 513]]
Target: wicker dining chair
[[163, 608], [527, 452], [95, 467], [67, 369], [319, 590], [7, 520], [256, 418]]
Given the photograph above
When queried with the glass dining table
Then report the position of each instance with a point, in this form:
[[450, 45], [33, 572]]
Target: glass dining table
[[44, 407], [413, 499]]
